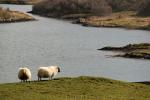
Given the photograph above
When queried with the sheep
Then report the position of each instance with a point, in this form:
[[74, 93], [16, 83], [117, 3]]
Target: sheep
[[47, 72], [24, 74]]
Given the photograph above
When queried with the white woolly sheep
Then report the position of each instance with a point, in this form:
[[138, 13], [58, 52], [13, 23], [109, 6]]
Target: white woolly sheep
[[24, 74], [47, 72]]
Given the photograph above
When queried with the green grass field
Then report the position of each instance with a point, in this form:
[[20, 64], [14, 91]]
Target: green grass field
[[80, 88]]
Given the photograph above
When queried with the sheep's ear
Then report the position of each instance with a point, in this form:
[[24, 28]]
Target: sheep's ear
[[58, 69]]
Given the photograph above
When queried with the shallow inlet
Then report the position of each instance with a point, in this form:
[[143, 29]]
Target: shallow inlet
[[50, 41]]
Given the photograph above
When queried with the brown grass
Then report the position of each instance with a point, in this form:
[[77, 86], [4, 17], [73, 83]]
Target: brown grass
[[12, 16], [122, 19]]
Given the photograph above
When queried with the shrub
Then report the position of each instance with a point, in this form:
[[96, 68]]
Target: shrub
[[145, 9], [100, 7], [124, 5]]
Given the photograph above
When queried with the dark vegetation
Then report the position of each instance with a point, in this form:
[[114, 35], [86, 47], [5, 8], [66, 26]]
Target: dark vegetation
[[145, 9], [129, 47], [13, 1], [132, 50], [58, 8], [19, 1], [126, 5]]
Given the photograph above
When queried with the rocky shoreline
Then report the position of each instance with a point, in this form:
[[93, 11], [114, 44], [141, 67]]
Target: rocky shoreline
[[140, 51]]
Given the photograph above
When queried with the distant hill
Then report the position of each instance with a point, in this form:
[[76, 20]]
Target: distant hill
[[58, 8], [53, 8]]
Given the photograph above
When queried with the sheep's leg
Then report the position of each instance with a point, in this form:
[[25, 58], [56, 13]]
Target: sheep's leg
[[51, 77], [40, 79], [29, 81]]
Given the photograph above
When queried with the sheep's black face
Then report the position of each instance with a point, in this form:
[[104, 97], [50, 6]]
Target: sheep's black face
[[58, 69]]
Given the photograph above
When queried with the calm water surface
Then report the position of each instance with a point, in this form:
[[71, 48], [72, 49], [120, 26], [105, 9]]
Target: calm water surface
[[73, 47]]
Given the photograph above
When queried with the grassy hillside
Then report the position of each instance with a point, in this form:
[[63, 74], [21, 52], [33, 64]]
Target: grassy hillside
[[7, 16], [81, 88]]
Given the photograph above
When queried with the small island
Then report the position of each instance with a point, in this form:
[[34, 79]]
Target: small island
[[8, 16], [132, 50]]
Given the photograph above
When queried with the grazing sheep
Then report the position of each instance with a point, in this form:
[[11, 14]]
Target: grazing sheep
[[47, 72], [24, 74]]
